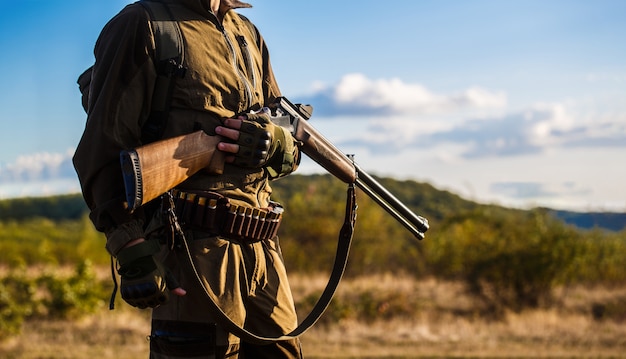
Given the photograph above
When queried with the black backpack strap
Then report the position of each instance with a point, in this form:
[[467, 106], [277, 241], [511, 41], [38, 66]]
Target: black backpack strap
[[169, 46], [169, 59]]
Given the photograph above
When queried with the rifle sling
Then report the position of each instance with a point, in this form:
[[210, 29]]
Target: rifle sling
[[339, 266]]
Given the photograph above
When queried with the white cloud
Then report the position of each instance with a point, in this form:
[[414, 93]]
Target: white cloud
[[398, 114], [536, 129], [525, 190], [618, 78], [37, 174], [394, 95], [357, 95]]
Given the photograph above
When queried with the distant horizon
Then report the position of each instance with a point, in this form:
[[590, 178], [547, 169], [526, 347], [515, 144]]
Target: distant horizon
[[589, 211]]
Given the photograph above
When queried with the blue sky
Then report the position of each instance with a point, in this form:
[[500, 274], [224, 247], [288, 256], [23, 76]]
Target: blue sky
[[517, 102]]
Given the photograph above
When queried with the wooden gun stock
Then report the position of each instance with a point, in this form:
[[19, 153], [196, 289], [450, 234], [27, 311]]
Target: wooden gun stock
[[155, 168]]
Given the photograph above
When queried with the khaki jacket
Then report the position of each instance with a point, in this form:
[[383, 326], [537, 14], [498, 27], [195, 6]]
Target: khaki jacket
[[228, 72]]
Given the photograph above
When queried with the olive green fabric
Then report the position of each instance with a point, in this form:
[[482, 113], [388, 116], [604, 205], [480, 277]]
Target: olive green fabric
[[250, 280], [228, 72]]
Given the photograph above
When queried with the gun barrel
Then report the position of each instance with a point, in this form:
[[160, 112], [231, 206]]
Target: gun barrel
[[417, 225], [320, 150]]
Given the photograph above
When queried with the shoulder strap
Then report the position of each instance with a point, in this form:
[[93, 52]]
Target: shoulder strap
[[169, 39], [169, 47], [169, 58]]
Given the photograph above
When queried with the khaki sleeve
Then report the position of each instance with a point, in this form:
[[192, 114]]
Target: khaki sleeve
[[119, 102]]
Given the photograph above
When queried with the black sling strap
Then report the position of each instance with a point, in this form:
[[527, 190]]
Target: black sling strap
[[339, 266]]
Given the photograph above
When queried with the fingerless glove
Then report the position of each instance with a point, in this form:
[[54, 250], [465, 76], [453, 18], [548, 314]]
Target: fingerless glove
[[262, 143]]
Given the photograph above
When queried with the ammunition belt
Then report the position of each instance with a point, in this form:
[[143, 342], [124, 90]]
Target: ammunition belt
[[213, 213]]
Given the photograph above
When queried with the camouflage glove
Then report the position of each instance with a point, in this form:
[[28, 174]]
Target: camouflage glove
[[145, 280], [259, 140]]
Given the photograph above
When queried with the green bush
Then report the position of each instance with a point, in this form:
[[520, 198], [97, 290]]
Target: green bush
[[48, 296], [16, 302], [508, 260], [44, 241], [73, 296]]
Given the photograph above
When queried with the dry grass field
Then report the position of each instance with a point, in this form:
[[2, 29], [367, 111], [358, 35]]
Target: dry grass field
[[441, 323]]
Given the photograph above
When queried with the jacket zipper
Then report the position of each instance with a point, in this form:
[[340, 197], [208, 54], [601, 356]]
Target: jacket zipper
[[243, 44], [248, 91]]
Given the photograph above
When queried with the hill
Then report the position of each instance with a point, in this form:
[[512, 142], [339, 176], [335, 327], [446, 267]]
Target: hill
[[423, 198], [508, 258]]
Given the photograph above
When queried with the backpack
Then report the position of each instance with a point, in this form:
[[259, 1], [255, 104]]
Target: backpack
[[169, 59]]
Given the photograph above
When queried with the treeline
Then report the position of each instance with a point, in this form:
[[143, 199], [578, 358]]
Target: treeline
[[510, 259], [55, 208]]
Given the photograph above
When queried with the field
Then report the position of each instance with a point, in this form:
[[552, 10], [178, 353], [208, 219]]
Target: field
[[487, 282], [379, 316]]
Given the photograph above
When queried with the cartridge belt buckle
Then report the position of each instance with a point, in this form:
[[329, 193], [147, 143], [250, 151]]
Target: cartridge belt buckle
[[213, 213]]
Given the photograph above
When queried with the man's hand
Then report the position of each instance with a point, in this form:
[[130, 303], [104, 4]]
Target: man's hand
[[256, 139], [145, 281]]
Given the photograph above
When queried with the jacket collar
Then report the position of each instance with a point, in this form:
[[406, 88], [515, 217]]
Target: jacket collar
[[203, 6]]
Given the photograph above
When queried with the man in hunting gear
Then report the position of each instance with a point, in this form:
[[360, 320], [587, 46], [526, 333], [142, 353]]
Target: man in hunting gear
[[168, 253]]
